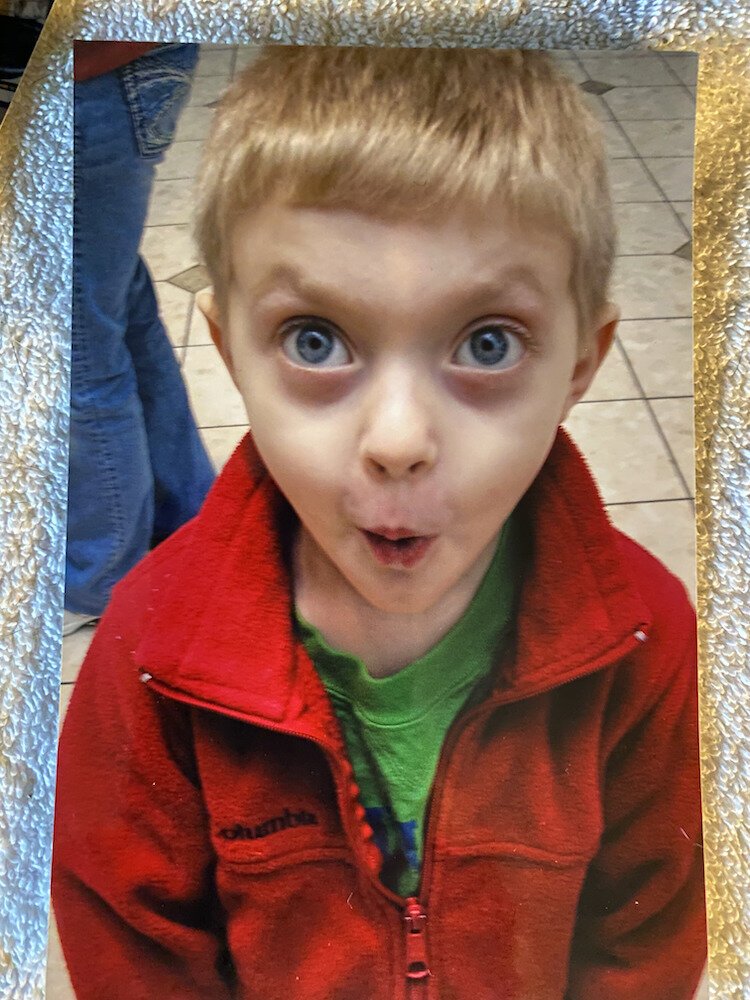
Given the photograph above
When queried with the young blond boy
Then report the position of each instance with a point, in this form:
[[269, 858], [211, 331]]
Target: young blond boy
[[400, 713]]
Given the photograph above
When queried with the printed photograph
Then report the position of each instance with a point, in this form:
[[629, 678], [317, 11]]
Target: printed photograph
[[379, 653]]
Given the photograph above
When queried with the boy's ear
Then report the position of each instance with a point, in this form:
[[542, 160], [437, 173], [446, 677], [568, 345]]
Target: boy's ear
[[206, 302], [592, 354]]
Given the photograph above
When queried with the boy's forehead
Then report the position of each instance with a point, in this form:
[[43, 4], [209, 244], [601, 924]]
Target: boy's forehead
[[310, 251]]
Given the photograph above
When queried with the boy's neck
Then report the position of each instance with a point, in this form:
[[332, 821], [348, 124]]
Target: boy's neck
[[385, 642]]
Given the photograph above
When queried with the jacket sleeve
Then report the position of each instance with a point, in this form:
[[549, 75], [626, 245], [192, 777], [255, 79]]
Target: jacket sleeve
[[132, 887], [640, 930]]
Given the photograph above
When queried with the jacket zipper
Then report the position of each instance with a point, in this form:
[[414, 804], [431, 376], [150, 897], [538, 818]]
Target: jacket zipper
[[417, 971], [415, 920], [415, 909]]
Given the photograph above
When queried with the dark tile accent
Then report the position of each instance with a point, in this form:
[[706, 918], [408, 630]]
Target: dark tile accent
[[685, 251], [596, 87], [193, 279]]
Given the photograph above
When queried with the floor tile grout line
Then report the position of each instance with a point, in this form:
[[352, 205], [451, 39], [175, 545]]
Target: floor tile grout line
[[639, 159], [662, 435], [674, 73], [627, 139], [648, 253], [220, 427], [639, 156], [674, 211], [655, 421], [673, 118], [651, 319], [682, 82], [631, 399], [626, 399], [626, 361], [636, 503], [641, 86], [189, 320]]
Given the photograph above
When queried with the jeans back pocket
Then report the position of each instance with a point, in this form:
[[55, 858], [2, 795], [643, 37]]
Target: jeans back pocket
[[156, 87]]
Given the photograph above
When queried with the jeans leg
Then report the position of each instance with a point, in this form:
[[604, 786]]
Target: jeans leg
[[111, 482], [181, 468]]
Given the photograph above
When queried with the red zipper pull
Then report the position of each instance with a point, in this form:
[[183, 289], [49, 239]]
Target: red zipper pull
[[415, 921]]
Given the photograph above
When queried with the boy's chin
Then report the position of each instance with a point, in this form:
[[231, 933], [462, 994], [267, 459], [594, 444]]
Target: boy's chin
[[399, 600]]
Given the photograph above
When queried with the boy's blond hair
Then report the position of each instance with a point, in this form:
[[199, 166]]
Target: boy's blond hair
[[406, 134]]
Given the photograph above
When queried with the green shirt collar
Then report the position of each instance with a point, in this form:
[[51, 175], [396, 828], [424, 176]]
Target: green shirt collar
[[464, 654]]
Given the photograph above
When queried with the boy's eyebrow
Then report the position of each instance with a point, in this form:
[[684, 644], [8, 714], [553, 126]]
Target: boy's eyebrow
[[280, 274], [515, 274], [286, 275]]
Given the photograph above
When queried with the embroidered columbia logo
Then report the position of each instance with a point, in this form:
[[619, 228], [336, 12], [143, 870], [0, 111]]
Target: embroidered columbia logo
[[287, 821]]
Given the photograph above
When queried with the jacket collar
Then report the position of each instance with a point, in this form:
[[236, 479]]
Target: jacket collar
[[219, 628]]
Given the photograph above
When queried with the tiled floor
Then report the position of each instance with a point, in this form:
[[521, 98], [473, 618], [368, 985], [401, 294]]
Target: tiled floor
[[635, 425]]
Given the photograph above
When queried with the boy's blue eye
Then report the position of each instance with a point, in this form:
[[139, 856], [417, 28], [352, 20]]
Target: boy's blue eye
[[493, 346], [313, 345]]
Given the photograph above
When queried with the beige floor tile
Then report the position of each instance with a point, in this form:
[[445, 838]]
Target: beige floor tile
[[198, 333], [220, 442], [171, 202], [627, 71], [649, 102], [685, 65], [652, 287], [168, 250], [245, 55], [58, 982], [661, 352], [214, 399], [685, 211], [194, 123], [675, 418], [674, 175], [206, 90], [625, 451], [613, 380], [182, 160], [631, 182], [597, 106], [193, 279], [572, 69], [74, 649], [174, 305], [647, 228], [667, 530], [615, 143], [702, 993], [215, 62], [66, 690], [662, 138]]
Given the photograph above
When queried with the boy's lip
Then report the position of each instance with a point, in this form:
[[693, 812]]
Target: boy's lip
[[400, 547], [394, 534]]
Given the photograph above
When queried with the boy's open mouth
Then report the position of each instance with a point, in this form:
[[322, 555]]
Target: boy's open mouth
[[397, 547]]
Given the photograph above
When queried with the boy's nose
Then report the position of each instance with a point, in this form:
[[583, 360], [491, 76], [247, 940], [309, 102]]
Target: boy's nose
[[399, 437]]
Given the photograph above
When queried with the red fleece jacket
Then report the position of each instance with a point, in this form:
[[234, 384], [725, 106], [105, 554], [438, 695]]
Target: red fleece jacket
[[209, 839]]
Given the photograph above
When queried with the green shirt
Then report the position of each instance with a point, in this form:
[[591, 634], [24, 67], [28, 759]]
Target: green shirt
[[395, 727]]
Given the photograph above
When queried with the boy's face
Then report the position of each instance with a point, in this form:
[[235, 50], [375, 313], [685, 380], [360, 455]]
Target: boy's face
[[404, 383]]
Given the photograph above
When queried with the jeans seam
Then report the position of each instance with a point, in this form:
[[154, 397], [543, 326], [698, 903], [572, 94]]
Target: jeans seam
[[131, 80], [83, 368]]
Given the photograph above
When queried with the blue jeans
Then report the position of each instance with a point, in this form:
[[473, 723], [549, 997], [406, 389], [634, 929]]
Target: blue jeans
[[138, 469]]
